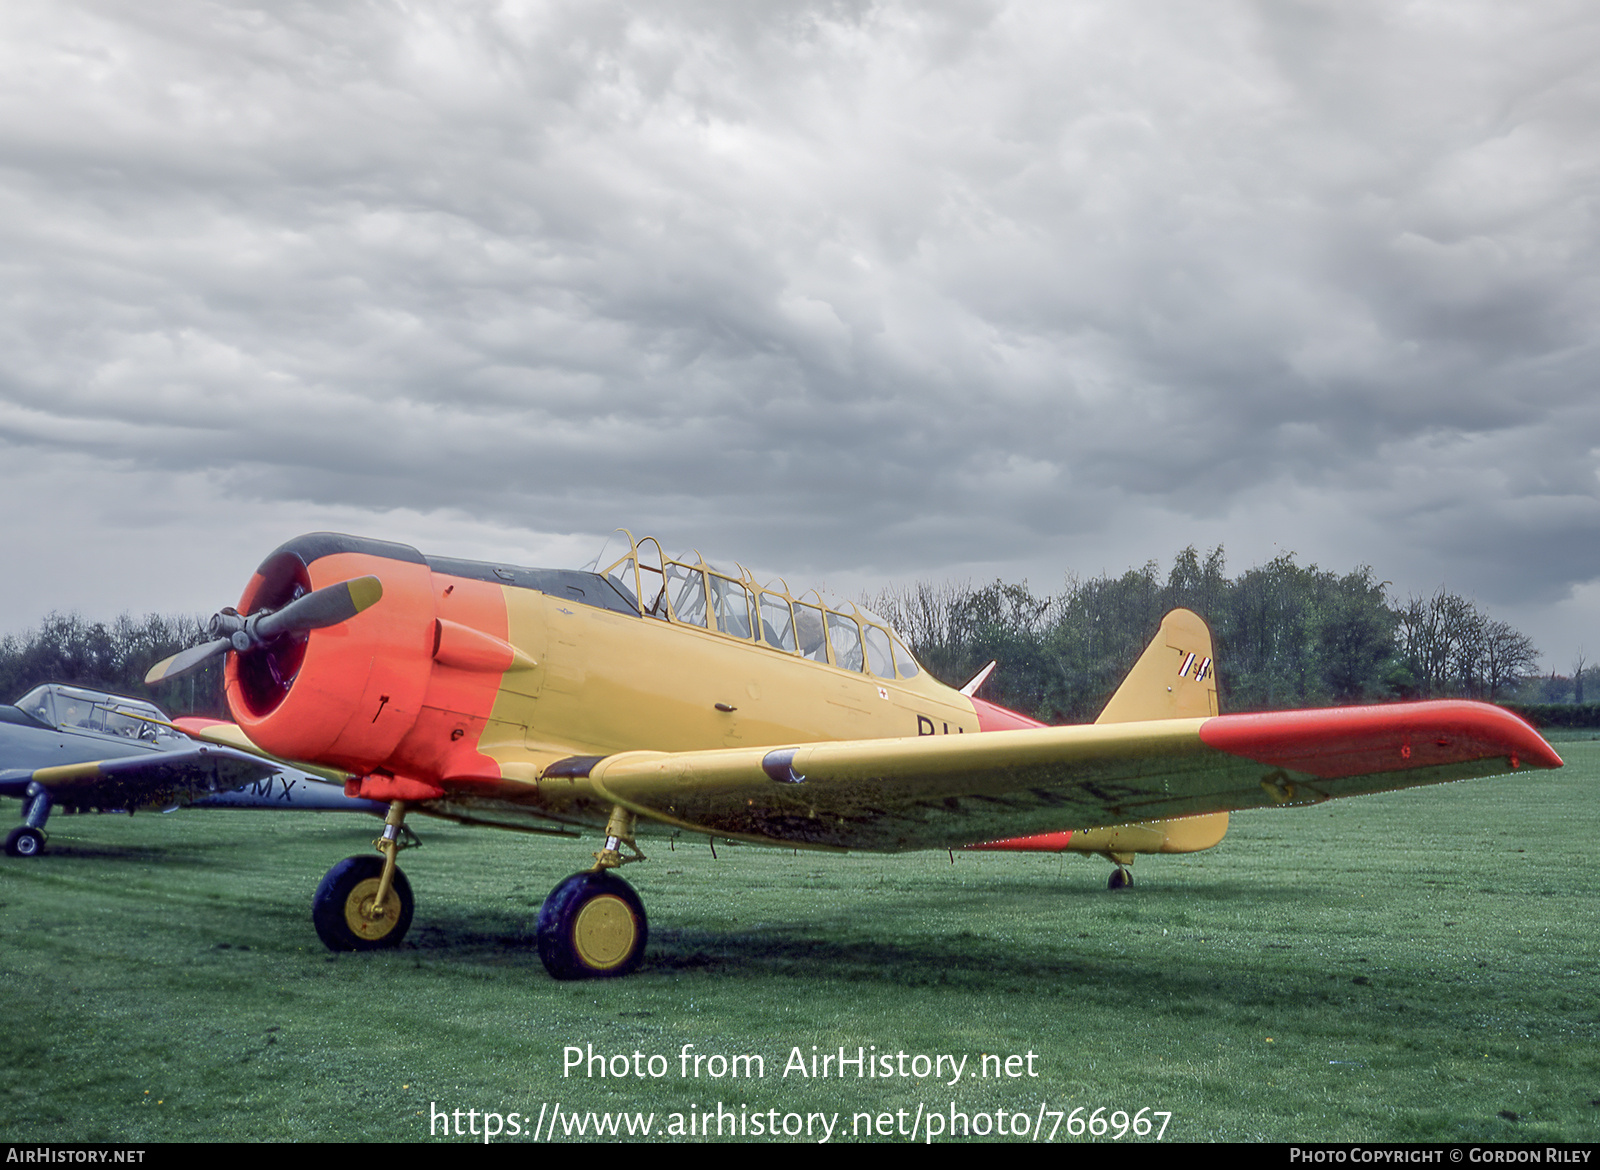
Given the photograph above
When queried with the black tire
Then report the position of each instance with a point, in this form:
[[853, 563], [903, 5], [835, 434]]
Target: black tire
[[338, 914], [1120, 879], [592, 926], [24, 841]]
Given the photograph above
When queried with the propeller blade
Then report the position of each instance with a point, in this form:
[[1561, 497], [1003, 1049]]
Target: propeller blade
[[185, 661], [327, 606]]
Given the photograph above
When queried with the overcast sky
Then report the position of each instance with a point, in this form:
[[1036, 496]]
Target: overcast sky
[[858, 293]]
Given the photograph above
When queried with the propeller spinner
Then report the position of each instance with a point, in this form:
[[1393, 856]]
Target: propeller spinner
[[230, 630]]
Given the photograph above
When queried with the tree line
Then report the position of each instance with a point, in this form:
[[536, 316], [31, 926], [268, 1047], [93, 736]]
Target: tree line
[[112, 656], [1285, 635]]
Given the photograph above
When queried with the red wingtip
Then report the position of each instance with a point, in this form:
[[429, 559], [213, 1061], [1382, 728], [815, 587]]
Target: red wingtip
[[1357, 741]]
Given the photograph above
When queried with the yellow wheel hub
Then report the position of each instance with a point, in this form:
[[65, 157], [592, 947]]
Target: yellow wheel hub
[[358, 913], [603, 933]]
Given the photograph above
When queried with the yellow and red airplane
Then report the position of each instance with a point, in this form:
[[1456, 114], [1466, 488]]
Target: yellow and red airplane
[[673, 696]]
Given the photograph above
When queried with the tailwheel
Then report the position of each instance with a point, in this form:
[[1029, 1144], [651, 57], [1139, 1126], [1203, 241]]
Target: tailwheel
[[1121, 879], [592, 926], [24, 841], [342, 910]]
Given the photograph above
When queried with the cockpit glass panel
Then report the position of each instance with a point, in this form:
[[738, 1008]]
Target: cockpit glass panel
[[122, 719], [653, 589], [652, 586], [38, 703], [623, 577], [615, 547], [688, 588], [867, 615], [880, 659], [732, 604], [74, 711], [845, 637], [809, 632], [777, 623], [903, 662]]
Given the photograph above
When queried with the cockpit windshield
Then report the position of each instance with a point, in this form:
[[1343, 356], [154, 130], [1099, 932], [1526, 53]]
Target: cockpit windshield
[[728, 600]]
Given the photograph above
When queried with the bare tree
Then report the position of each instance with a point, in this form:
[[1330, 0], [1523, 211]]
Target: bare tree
[[1509, 657], [1424, 631], [1453, 648]]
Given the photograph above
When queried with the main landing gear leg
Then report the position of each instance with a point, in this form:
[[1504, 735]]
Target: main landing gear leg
[[364, 903], [592, 926], [28, 838]]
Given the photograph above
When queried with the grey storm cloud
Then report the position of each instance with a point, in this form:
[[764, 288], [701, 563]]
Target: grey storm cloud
[[863, 288]]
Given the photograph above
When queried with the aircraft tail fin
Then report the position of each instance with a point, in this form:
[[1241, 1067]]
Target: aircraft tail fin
[[1175, 677]]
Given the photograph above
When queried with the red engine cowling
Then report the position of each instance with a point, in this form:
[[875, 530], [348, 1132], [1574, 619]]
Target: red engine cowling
[[346, 695]]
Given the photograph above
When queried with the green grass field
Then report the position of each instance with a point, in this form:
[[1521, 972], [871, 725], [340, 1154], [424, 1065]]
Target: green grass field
[[1418, 966]]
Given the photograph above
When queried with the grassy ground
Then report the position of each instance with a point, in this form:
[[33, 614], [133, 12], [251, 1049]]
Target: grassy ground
[[1419, 966]]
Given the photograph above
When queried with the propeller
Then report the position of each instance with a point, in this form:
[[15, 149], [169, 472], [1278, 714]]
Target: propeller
[[230, 630]]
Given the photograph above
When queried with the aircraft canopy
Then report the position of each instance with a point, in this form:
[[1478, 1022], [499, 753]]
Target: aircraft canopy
[[78, 709], [728, 600]]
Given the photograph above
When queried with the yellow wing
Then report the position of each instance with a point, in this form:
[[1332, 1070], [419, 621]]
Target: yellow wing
[[945, 791], [146, 778]]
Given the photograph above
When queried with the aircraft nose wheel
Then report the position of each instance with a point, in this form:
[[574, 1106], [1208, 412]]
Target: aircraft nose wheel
[[342, 909], [1120, 879], [592, 926], [24, 841]]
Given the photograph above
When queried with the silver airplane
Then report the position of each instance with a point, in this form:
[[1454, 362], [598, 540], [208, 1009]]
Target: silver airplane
[[81, 750]]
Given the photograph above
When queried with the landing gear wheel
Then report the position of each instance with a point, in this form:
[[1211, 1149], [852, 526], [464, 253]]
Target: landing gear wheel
[[1120, 879], [342, 910], [24, 841], [592, 926]]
